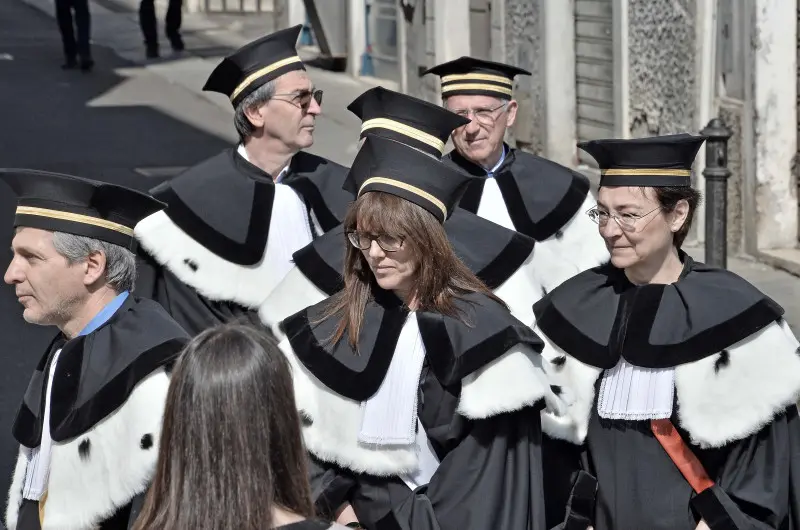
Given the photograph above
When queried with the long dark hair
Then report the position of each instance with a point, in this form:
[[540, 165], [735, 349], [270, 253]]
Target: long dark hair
[[231, 448], [441, 277]]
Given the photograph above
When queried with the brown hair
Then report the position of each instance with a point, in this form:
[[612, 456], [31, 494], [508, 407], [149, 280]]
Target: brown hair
[[669, 196], [231, 448], [440, 277]]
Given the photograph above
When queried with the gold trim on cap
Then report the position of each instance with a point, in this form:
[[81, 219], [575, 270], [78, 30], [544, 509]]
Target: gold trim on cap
[[476, 86], [644, 171], [74, 217], [477, 77], [407, 130], [408, 187], [262, 72]]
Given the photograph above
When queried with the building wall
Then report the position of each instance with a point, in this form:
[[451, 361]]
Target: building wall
[[662, 70]]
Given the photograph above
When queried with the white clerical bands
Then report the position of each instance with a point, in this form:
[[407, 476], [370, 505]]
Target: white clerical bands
[[409, 188], [406, 130], [496, 84], [75, 218], [261, 72]]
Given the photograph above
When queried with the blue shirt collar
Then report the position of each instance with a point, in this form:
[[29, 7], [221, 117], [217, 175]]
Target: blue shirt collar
[[105, 313], [490, 172]]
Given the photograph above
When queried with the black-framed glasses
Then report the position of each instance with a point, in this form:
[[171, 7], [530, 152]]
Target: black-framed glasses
[[363, 241], [626, 221], [484, 116], [302, 100]]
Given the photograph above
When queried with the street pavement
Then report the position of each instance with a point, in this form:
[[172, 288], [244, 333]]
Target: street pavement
[[135, 122]]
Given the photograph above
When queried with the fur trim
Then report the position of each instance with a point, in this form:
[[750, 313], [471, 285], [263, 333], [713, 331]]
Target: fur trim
[[521, 290], [208, 274], [576, 381], [578, 248], [293, 294], [331, 432], [118, 464], [512, 382], [734, 394], [17, 485]]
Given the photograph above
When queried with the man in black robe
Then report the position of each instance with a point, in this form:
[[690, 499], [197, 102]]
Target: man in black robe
[[90, 421], [515, 189], [233, 221]]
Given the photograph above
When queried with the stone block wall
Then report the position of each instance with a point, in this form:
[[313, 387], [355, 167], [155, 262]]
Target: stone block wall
[[732, 114]]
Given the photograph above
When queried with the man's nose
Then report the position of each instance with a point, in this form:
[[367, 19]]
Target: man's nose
[[13, 273]]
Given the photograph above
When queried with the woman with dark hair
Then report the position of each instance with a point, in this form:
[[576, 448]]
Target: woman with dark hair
[[231, 453], [421, 394], [681, 378]]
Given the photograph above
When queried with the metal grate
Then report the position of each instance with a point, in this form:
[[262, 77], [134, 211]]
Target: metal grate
[[239, 6]]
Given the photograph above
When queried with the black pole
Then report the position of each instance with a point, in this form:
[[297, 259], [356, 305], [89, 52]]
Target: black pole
[[716, 174]]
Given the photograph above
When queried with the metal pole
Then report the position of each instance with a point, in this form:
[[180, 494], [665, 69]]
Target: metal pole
[[716, 174]]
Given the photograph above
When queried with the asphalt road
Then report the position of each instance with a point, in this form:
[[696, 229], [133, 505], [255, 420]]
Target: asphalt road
[[115, 124]]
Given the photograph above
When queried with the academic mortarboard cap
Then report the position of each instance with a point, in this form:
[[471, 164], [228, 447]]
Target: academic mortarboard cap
[[475, 77], [405, 119], [654, 161], [392, 167], [256, 64], [64, 203]]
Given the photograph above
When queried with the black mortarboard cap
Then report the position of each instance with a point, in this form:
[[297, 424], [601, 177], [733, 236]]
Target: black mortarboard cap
[[475, 77], [405, 119], [653, 161], [64, 203], [255, 64], [392, 167]]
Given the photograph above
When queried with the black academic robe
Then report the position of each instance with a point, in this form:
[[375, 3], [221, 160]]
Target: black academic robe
[[501, 258], [205, 258], [107, 399], [737, 376], [545, 201], [479, 396]]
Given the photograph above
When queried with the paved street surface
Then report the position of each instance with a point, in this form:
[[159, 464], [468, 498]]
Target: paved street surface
[[135, 122]]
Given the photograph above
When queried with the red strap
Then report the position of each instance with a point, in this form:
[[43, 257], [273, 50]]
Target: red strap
[[681, 455]]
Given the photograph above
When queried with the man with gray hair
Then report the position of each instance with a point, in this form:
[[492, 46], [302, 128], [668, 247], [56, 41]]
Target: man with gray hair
[[233, 222], [89, 423]]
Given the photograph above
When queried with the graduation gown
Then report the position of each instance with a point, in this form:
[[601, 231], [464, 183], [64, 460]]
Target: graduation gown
[[736, 379], [479, 393], [107, 399], [543, 200], [220, 247], [503, 259]]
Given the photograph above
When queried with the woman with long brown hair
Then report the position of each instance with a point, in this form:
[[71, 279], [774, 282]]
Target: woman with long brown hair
[[420, 392], [231, 453]]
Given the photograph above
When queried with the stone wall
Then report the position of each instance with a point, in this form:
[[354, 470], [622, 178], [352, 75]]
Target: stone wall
[[661, 44], [523, 48], [731, 113]]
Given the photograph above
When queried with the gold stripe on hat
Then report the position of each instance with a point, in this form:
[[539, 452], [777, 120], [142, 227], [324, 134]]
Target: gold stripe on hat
[[74, 217], [408, 187], [262, 72], [476, 86], [643, 171], [477, 77], [407, 130]]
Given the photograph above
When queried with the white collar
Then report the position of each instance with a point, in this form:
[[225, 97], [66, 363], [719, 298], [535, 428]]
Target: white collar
[[243, 153]]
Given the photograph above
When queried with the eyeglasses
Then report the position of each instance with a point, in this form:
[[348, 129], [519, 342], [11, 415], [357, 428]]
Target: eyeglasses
[[482, 116], [626, 221], [363, 241], [302, 100]]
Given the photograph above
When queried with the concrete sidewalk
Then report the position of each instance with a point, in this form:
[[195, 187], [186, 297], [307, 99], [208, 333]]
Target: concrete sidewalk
[[208, 38]]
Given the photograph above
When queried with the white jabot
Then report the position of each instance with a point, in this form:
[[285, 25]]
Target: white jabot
[[290, 228], [390, 416], [492, 206], [629, 392], [38, 469]]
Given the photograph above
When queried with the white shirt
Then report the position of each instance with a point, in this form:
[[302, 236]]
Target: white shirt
[[492, 206], [38, 469]]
